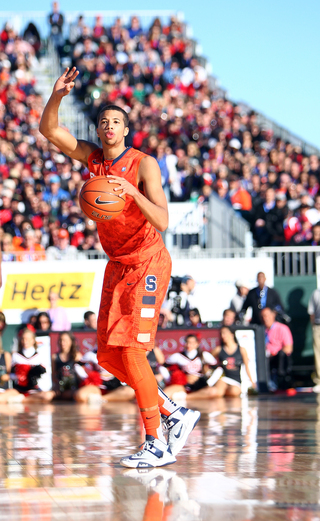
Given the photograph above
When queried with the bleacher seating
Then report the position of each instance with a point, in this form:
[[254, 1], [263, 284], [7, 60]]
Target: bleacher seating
[[202, 141]]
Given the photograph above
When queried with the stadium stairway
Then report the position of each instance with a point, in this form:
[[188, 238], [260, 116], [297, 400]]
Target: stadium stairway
[[46, 70]]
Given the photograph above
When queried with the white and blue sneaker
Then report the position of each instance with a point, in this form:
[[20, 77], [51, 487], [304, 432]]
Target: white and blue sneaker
[[179, 425], [155, 453]]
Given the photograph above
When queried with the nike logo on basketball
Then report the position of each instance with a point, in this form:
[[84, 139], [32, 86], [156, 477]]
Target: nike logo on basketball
[[97, 201], [179, 433], [130, 283]]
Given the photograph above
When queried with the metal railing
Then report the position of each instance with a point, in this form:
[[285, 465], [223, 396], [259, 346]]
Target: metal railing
[[288, 261], [291, 260], [226, 228]]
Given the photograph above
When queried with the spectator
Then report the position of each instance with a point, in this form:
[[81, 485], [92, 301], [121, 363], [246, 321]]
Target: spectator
[[13, 227], [29, 249], [27, 366], [190, 370], [89, 242], [76, 30], [55, 194], [228, 317], [43, 322], [65, 370], [194, 319], [5, 208], [58, 315], [31, 35], [261, 297], [7, 248], [63, 250], [56, 21], [240, 198], [98, 29], [238, 300], [226, 379], [279, 347], [315, 236], [188, 296], [314, 312], [266, 217], [90, 320], [313, 214]]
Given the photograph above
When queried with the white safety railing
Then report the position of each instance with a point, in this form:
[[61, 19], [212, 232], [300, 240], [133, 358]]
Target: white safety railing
[[227, 229], [290, 261]]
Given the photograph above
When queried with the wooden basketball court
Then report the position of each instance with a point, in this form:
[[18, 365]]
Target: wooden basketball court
[[251, 458]]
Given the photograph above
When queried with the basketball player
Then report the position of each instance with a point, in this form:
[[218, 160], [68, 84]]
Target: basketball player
[[137, 275]]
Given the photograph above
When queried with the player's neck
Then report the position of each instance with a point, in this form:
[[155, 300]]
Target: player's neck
[[113, 151]]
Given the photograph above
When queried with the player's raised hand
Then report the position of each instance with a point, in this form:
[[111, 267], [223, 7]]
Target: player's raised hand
[[65, 83]]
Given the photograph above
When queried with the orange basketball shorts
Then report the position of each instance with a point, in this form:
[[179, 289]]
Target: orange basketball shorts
[[131, 299]]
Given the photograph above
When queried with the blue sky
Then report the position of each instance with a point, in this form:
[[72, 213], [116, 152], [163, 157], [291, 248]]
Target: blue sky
[[264, 53]]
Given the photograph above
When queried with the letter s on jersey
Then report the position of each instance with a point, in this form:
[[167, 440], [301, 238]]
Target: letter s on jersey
[[151, 283]]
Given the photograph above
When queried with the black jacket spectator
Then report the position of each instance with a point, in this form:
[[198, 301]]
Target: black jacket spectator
[[253, 300], [261, 297]]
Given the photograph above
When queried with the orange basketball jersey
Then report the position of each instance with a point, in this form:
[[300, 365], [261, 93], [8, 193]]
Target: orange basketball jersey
[[128, 238]]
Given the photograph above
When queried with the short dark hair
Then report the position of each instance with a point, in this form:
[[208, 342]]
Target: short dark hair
[[114, 107], [228, 311], [87, 315], [192, 335]]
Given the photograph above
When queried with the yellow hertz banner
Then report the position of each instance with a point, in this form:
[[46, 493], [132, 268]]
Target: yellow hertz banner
[[31, 290]]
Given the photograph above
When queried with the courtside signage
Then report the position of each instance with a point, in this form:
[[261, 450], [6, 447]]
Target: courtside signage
[[31, 290], [26, 286]]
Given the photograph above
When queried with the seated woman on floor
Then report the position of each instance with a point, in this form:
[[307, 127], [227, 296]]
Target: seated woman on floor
[[231, 357], [66, 371], [27, 368], [190, 370]]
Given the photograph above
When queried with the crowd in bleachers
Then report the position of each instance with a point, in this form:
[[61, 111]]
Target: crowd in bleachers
[[202, 142]]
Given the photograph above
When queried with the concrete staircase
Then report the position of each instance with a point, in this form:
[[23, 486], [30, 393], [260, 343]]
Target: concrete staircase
[[46, 70]]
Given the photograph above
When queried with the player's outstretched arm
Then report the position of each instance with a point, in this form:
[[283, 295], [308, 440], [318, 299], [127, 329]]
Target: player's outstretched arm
[[153, 204], [49, 124]]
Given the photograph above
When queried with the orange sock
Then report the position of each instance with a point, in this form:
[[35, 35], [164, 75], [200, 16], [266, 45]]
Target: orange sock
[[145, 385]]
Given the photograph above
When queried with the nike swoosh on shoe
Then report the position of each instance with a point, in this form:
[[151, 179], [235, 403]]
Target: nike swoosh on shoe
[[179, 433]]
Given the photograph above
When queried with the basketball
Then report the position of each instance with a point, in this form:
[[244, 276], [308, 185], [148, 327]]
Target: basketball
[[98, 201]]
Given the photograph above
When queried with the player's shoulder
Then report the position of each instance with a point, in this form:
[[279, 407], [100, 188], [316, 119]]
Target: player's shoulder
[[96, 154], [148, 164]]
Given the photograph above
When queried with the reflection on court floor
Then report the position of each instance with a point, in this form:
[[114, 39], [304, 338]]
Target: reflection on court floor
[[256, 458]]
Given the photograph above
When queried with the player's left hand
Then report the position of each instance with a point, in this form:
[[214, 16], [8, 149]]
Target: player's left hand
[[125, 187]]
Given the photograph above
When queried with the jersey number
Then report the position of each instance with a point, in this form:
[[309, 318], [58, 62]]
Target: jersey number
[[151, 283]]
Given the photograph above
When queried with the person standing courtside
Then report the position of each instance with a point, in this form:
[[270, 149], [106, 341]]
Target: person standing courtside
[[262, 297], [137, 275], [314, 312]]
